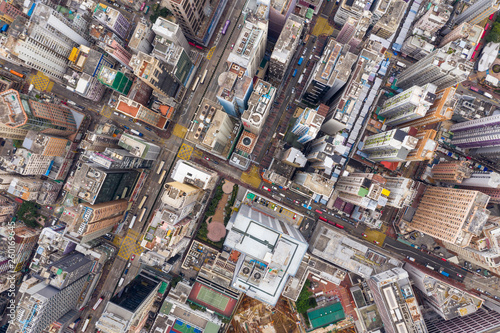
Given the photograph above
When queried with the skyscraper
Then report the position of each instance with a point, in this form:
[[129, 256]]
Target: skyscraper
[[392, 146], [451, 215], [19, 111], [309, 123], [451, 172], [477, 133], [477, 12]]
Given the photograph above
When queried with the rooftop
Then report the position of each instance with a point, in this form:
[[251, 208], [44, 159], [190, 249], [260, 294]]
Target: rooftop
[[288, 39]]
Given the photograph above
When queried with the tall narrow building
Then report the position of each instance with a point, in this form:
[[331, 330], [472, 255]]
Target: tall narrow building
[[477, 12]]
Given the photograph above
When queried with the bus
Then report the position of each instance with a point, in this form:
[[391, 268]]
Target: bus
[[86, 324], [162, 163], [142, 6], [96, 305], [400, 64], [133, 131], [226, 25], [300, 61], [195, 45], [144, 198], [294, 73], [13, 72], [300, 78], [204, 76], [131, 225], [146, 10], [163, 173], [142, 214], [195, 84]]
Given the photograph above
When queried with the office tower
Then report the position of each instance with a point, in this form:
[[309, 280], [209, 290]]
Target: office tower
[[197, 19], [113, 19], [346, 33], [139, 147], [250, 47], [155, 74], [18, 111], [451, 172], [426, 146], [259, 105], [170, 31], [279, 12], [477, 133], [439, 68], [484, 179], [330, 73], [43, 302], [127, 311], [180, 199], [25, 240], [234, 91], [389, 22], [265, 268], [8, 12], [392, 146], [47, 145], [94, 184], [93, 221], [8, 132], [113, 158], [396, 301], [325, 153], [477, 12], [309, 122], [194, 174], [440, 110], [114, 79], [354, 9], [402, 191], [451, 215], [435, 17], [98, 142], [362, 189], [436, 291], [409, 105], [142, 38], [417, 47], [178, 62], [285, 48]]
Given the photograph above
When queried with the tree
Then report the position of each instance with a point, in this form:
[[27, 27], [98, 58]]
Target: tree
[[304, 301], [163, 12], [494, 34], [28, 214]]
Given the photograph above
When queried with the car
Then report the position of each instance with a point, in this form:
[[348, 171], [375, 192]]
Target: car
[[275, 188], [444, 259], [48, 207], [364, 235], [376, 242], [126, 271], [215, 162], [207, 158], [460, 275], [294, 216], [3, 143], [281, 209], [14, 150], [148, 128], [413, 237], [478, 270], [132, 257], [266, 188], [126, 127], [232, 46], [116, 113], [297, 202], [410, 258], [480, 290], [344, 219], [239, 26]]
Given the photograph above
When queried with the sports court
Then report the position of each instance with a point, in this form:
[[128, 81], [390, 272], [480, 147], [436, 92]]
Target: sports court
[[212, 299], [181, 327]]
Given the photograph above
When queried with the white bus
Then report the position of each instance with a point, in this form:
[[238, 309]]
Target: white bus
[[121, 282], [204, 76], [96, 305], [400, 64], [86, 324], [131, 225], [300, 78], [195, 83], [162, 163], [163, 173], [144, 198], [142, 214]]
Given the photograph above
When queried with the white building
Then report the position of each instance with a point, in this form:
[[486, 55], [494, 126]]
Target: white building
[[194, 174], [139, 147], [393, 145], [171, 31], [259, 105]]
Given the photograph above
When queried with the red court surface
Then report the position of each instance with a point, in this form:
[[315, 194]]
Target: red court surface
[[227, 311]]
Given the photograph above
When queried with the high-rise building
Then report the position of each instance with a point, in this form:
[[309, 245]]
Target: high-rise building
[[98, 142], [139, 147], [477, 133], [96, 220], [396, 301], [417, 47], [441, 109], [25, 240], [118, 52], [433, 19], [354, 9], [309, 122], [426, 146], [25, 188], [436, 291], [19, 111], [136, 110], [113, 19], [285, 47], [127, 311], [482, 321], [8, 132], [194, 174], [362, 189], [155, 74], [315, 183], [142, 38], [170, 31], [197, 23], [178, 61], [484, 179], [259, 105], [8, 12], [402, 191], [326, 152], [271, 252], [392, 146], [279, 12], [234, 91], [7, 208], [411, 104], [451, 215], [115, 79], [389, 22], [451, 172], [330, 73], [46, 145], [180, 199], [461, 31], [477, 12], [440, 68]]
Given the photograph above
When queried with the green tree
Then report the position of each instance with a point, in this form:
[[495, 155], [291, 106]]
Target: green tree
[[28, 214], [494, 34], [304, 301], [163, 12]]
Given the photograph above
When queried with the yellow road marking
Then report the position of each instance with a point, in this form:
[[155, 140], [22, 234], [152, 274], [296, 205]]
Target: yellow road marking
[[179, 131], [185, 152], [211, 53]]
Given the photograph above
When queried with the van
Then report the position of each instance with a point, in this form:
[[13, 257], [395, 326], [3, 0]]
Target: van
[[410, 258], [116, 113]]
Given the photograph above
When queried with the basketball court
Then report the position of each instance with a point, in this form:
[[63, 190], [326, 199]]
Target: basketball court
[[181, 327], [213, 300]]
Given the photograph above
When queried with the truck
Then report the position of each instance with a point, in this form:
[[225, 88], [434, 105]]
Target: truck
[[133, 131], [490, 96], [445, 274]]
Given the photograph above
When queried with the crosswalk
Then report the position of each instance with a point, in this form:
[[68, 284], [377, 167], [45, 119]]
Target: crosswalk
[[185, 152]]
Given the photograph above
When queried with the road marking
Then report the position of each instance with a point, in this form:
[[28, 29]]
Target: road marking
[[179, 131], [211, 53], [185, 152]]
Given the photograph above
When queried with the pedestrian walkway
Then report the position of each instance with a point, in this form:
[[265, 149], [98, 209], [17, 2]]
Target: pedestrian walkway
[[180, 131], [185, 152], [41, 82]]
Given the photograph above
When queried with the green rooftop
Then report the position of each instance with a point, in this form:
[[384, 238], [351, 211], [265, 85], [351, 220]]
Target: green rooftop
[[166, 307], [327, 315], [163, 287], [211, 328]]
